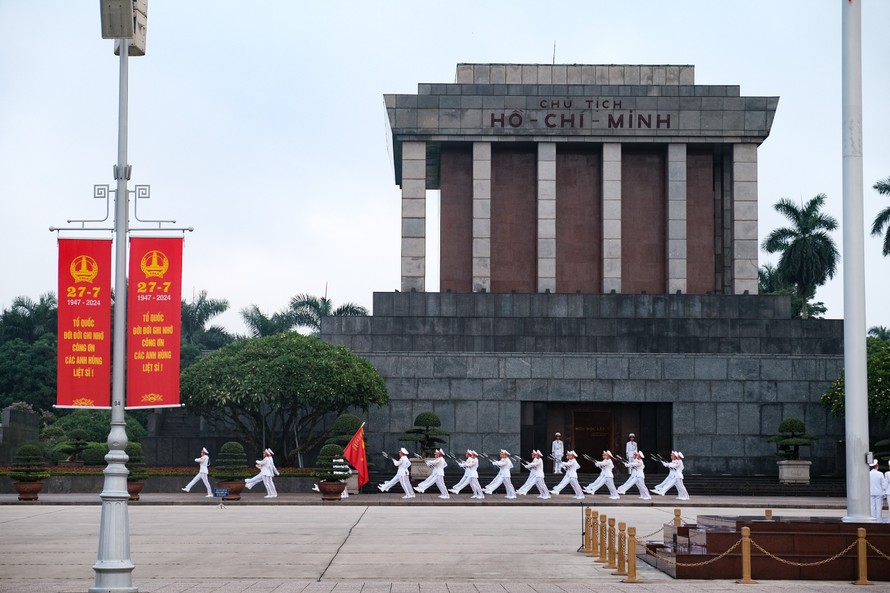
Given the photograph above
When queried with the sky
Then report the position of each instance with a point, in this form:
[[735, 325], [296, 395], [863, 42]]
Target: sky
[[262, 124]]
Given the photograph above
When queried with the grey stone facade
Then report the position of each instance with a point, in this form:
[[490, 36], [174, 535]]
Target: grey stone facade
[[729, 368]]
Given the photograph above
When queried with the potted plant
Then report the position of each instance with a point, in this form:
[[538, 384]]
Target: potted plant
[[792, 436], [138, 471], [28, 471], [231, 469], [330, 470], [429, 436]]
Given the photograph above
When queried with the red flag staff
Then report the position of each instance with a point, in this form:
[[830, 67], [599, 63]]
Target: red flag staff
[[354, 453]]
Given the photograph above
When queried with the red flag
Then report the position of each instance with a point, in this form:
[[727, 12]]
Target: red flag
[[354, 453]]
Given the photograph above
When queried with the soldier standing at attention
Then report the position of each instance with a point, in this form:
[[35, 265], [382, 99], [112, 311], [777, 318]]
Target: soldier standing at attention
[[556, 451]]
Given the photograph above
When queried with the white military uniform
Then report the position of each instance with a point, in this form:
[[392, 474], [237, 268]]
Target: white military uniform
[[203, 461], [887, 487], [260, 477], [505, 465], [437, 476], [876, 490], [637, 477], [269, 471], [674, 478], [535, 468], [471, 476], [606, 477], [571, 467], [556, 451], [630, 448], [402, 477]]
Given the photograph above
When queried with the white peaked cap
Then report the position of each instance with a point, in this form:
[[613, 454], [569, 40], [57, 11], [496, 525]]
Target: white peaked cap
[[873, 463], [469, 451], [679, 454], [270, 452], [440, 452], [204, 451], [631, 435], [473, 453], [536, 452], [505, 452], [403, 451], [572, 453], [640, 453], [609, 453]]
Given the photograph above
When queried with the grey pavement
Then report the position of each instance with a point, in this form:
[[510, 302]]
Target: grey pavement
[[365, 544]]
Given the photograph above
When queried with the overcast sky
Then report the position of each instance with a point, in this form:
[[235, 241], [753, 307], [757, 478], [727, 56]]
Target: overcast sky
[[262, 124]]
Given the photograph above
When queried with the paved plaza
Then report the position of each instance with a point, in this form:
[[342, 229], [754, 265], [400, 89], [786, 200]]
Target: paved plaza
[[370, 544]]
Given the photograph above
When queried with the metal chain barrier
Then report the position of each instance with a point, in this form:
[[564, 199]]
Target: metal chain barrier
[[673, 562], [877, 551], [816, 563]]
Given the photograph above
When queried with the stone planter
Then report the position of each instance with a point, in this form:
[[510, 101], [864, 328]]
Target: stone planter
[[794, 471], [134, 489], [331, 490], [420, 470], [28, 490]]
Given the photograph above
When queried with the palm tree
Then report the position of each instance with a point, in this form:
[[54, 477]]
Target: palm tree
[[769, 282], [261, 325], [196, 315], [883, 217], [308, 310], [880, 332], [809, 255], [28, 319]]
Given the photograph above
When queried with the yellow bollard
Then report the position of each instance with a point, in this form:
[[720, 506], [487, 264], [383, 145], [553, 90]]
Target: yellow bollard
[[622, 549], [594, 533], [678, 520], [603, 539], [611, 546], [862, 558], [769, 514], [631, 556], [746, 558], [587, 513]]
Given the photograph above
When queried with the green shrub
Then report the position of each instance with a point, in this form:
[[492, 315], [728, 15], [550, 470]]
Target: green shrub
[[29, 464], [426, 433], [97, 424], [231, 463], [94, 454], [792, 436], [330, 466], [136, 463]]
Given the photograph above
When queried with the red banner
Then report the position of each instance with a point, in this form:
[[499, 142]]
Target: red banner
[[154, 327], [84, 324], [354, 453]]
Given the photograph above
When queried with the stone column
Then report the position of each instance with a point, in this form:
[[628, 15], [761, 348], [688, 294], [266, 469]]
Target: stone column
[[676, 223], [413, 216], [744, 218], [546, 217], [611, 218], [481, 216]]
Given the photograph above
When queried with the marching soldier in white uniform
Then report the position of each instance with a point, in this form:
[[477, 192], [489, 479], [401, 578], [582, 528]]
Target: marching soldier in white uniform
[[269, 472], [606, 477], [556, 452], [202, 462], [571, 468], [505, 465], [437, 476], [535, 468], [471, 475], [402, 477], [637, 476], [262, 465], [674, 478]]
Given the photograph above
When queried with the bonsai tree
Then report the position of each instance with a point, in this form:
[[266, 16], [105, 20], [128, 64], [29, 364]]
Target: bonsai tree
[[75, 443], [29, 465], [426, 433], [792, 436], [345, 427], [136, 463], [231, 463], [330, 466]]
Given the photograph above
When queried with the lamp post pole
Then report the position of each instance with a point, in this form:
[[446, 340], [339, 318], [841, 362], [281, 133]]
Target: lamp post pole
[[113, 568]]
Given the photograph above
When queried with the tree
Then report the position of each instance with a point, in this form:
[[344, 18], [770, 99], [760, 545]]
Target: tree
[[29, 320], [260, 325], [308, 310], [878, 370], [769, 282], [275, 388], [883, 218], [809, 256], [196, 336], [28, 372], [880, 332]]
